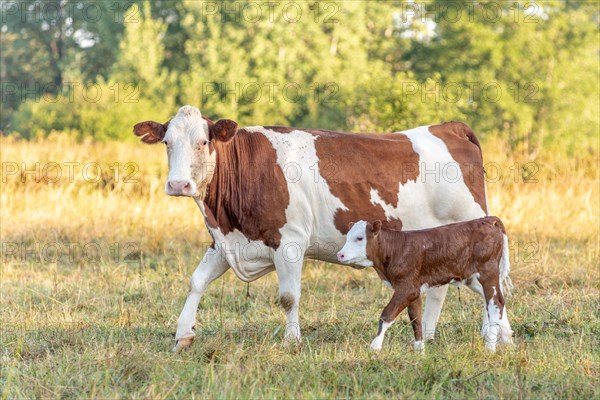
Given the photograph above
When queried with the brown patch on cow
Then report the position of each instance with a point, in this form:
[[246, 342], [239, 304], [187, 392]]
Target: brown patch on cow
[[378, 162], [248, 191], [287, 302], [465, 149]]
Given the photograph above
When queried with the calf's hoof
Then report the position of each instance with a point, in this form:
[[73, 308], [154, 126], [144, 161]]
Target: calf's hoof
[[183, 343], [419, 346], [376, 345]]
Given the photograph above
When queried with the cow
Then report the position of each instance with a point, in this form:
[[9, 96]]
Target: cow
[[272, 196], [474, 253]]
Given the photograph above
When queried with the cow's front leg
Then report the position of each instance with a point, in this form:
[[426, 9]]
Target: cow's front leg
[[212, 266], [434, 301], [288, 264]]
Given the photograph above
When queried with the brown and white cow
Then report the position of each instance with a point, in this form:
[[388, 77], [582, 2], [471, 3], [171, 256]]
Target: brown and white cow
[[473, 252], [271, 196]]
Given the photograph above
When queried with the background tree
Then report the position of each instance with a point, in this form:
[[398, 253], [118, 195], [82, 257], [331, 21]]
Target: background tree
[[525, 72]]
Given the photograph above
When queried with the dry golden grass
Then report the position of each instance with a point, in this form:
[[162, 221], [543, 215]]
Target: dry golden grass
[[82, 326]]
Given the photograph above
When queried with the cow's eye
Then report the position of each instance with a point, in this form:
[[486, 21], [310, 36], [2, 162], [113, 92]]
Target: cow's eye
[[165, 142], [203, 143], [359, 239]]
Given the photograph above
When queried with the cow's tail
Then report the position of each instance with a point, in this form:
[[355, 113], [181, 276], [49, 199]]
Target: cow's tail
[[473, 139], [505, 282]]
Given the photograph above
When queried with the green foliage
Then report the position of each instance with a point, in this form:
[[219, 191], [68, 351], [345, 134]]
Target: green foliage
[[525, 72], [138, 88]]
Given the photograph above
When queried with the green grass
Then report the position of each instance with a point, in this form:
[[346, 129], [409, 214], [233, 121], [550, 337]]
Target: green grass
[[105, 330], [86, 328]]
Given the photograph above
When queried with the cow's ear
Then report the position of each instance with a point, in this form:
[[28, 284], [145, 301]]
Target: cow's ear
[[376, 228], [223, 130], [150, 131]]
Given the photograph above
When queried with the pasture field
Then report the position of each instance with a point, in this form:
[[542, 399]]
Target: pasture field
[[96, 265]]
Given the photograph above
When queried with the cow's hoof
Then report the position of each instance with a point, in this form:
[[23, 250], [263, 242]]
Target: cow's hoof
[[292, 343], [183, 343]]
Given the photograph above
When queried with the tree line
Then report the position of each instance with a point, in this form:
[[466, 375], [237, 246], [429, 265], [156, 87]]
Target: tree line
[[526, 71]]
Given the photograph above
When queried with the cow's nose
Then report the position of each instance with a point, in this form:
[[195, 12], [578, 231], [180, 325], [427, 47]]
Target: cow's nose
[[179, 188], [340, 256]]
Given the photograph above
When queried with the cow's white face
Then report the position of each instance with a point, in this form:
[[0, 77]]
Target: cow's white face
[[355, 248], [189, 140], [191, 163]]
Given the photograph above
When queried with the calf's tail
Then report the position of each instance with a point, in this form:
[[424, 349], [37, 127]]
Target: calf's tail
[[505, 282]]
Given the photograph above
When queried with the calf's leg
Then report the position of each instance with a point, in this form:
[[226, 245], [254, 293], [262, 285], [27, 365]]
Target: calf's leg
[[212, 266], [506, 331], [400, 300], [490, 281], [414, 313]]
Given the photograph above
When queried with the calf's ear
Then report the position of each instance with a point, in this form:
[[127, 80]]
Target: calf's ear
[[150, 131], [223, 130], [376, 228]]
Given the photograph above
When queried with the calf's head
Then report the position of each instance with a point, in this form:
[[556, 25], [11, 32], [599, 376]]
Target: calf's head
[[189, 139], [359, 242]]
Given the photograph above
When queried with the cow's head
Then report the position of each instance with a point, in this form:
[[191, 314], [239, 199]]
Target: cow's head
[[189, 139], [357, 239]]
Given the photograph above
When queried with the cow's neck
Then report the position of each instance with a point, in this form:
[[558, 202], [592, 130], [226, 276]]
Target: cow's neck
[[247, 191]]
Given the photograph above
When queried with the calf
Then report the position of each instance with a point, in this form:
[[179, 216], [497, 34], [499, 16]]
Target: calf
[[473, 252]]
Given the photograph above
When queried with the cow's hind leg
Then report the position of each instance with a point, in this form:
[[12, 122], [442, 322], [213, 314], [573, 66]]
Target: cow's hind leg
[[212, 266], [475, 285], [401, 299], [434, 301], [288, 265]]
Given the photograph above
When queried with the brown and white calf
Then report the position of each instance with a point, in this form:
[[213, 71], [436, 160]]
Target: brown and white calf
[[473, 252], [272, 196]]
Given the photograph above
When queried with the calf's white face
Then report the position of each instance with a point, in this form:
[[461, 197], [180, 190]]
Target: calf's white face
[[355, 248]]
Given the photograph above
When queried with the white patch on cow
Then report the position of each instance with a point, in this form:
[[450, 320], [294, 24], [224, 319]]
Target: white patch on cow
[[388, 284], [310, 214], [424, 288], [354, 250], [437, 196], [378, 341]]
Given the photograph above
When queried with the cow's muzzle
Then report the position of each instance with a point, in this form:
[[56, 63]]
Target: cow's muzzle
[[180, 188]]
